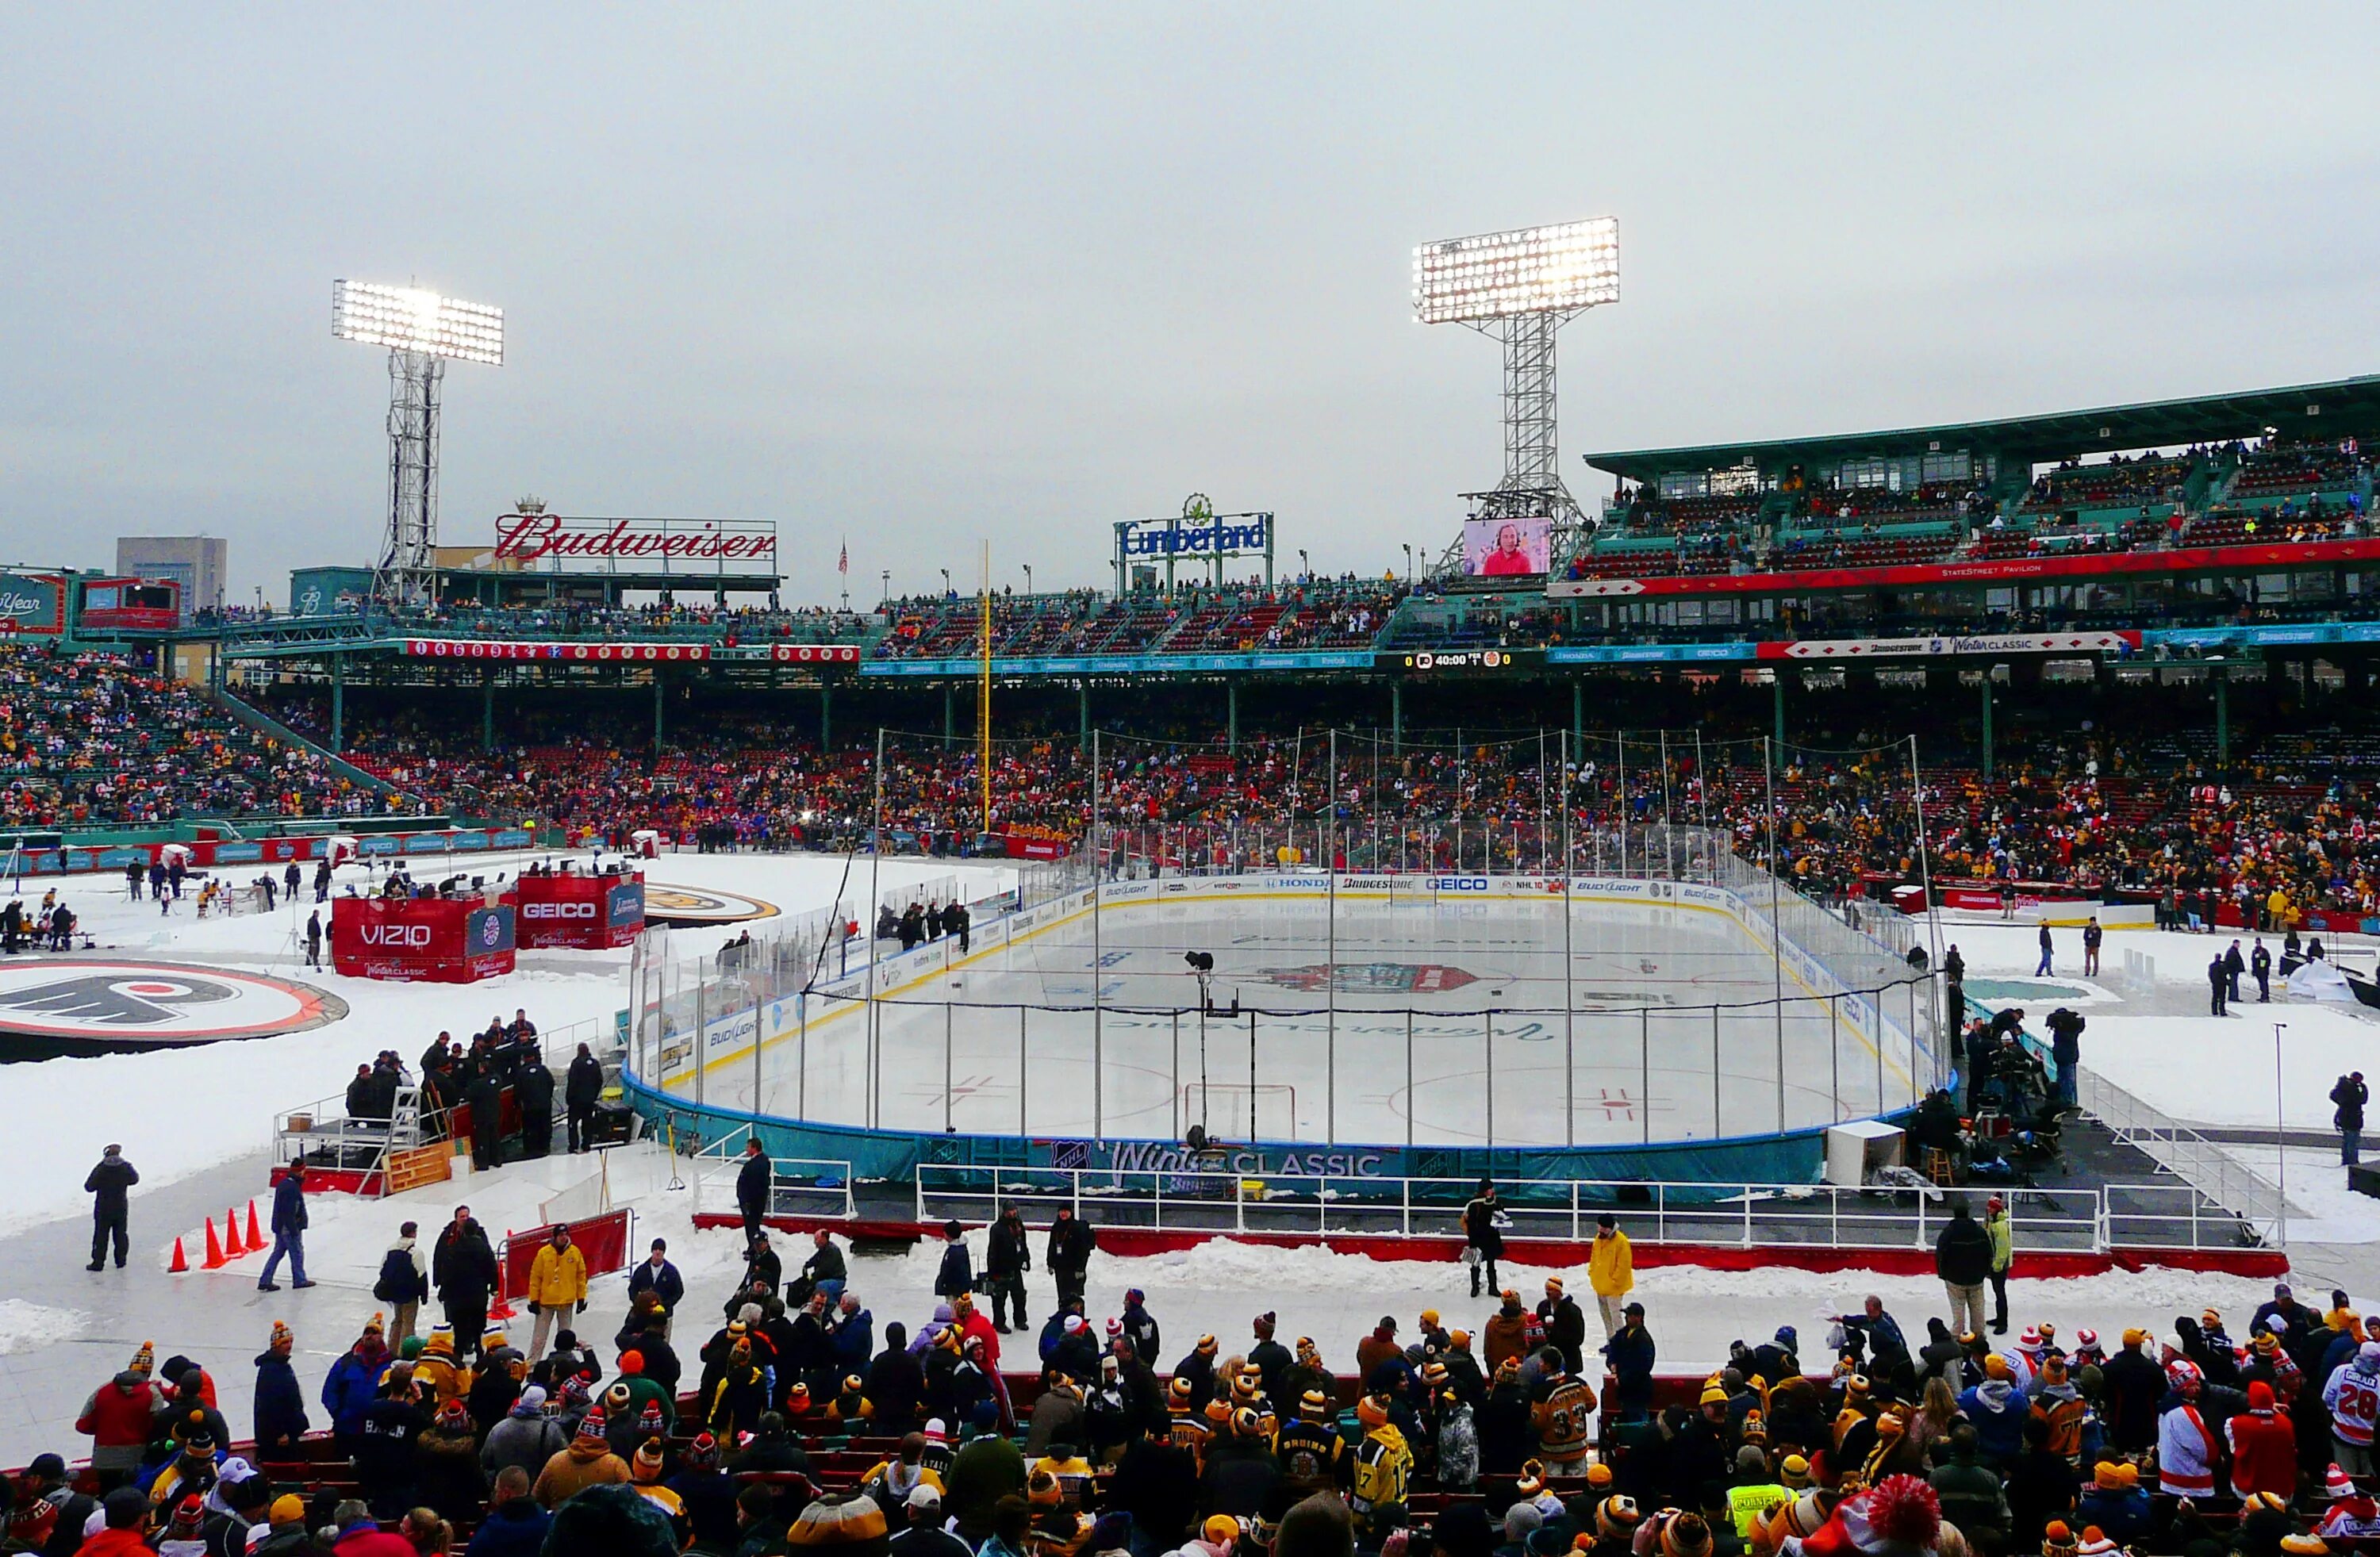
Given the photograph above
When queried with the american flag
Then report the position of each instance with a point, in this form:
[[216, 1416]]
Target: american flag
[[843, 562]]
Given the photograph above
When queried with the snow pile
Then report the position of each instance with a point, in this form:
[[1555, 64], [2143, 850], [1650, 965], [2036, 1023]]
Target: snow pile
[[26, 1327]]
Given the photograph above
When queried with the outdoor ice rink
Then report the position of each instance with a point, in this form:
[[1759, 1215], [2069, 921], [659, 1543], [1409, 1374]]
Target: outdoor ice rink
[[1445, 1027]]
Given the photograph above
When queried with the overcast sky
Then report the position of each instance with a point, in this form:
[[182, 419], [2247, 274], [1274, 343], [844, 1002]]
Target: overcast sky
[[920, 276]]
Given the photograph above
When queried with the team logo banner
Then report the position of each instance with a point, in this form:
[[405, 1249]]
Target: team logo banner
[[150, 1004]]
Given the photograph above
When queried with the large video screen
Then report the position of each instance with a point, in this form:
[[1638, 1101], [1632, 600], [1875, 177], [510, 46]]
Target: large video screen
[[1506, 547]]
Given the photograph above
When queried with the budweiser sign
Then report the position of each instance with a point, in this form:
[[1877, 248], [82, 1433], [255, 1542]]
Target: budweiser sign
[[528, 537]]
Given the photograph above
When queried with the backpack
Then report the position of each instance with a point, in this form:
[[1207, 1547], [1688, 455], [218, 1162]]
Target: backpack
[[399, 1283]]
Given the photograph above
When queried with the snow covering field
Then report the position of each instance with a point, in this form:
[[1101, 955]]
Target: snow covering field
[[2161, 1046], [177, 1112]]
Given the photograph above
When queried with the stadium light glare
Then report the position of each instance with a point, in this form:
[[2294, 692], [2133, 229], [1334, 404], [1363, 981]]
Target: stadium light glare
[[1489, 276], [410, 319]]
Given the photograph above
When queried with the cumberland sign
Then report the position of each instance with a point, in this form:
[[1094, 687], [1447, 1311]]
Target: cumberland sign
[[713, 543]]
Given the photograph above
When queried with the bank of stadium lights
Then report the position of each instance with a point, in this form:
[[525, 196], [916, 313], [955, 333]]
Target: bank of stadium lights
[[1520, 287], [422, 329], [1561, 269], [408, 318]]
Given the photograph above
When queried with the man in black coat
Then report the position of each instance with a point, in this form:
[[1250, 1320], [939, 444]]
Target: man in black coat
[[533, 1090], [462, 1271], [894, 1384], [755, 1184], [1007, 1258], [1565, 1324], [1483, 1236], [1962, 1258], [107, 1185], [486, 1096], [581, 1090], [1068, 1254], [2351, 1095]]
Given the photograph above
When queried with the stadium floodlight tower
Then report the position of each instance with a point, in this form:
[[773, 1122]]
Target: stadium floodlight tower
[[421, 330], [1521, 287]]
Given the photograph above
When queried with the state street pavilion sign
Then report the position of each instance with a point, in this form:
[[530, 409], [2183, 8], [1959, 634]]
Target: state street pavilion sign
[[559, 543]]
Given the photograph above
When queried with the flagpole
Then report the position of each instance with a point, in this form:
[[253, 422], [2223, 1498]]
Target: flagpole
[[843, 566]]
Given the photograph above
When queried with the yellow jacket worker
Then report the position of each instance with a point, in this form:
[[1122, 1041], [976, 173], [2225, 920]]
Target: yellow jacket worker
[[1611, 1270], [557, 1283]]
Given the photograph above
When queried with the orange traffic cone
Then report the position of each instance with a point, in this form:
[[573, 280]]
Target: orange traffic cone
[[503, 1309], [181, 1262], [255, 1236], [214, 1261], [233, 1248]]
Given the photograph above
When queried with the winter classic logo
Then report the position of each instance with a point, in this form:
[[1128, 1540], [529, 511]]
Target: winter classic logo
[[151, 1003], [1370, 978]]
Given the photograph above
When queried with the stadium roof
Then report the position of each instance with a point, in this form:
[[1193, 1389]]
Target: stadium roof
[[2343, 408]]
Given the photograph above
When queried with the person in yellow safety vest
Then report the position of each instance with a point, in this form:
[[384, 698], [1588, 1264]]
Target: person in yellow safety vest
[[557, 1283], [1611, 1270]]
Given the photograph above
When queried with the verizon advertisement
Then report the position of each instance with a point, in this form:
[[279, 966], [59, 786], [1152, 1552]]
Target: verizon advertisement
[[423, 940], [587, 912]]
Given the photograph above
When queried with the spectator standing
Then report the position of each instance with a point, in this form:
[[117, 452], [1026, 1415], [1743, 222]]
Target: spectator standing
[[280, 1404], [288, 1230], [2218, 980], [2003, 1237], [515, 1526], [1483, 1236], [533, 1095], [2349, 1094], [657, 1276], [1962, 1259], [754, 1186], [582, 1088], [2234, 964], [463, 1272], [108, 1185], [314, 939], [404, 1280], [1611, 1271], [1068, 1254], [1006, 1257], [2043, 970], [2093, 935], [557, 1283], [2066, 1048], [956, 1274], [2259, 965]]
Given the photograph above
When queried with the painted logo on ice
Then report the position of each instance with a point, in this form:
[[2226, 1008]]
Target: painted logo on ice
[[1370, 978], [151, 1003]]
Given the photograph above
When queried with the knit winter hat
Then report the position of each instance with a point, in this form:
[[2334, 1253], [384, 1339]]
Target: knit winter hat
[[144, 1362], [2057, 1540], [2135, 1337], [1246, 1423], [1220, 1530], [646, 1466], [575, 1390], [703, 1453], [454, 1417], [2088, 1340], [281, 1335], [1042, 1490], [853, 1521], [649, 1421], [1794, 1472], [2336, 1483], [632, 1363], [1206, 1346], [187, 1515], [411, 1346], [1553, 1287], [1177, 1396], [441, 1343], [1314, 1406], [1901, 1514], [1372, 1411], [619, 1397], [2260, 1396], [2095, 1543], [288, 1509], [590, 1426], [1616, 1517], [1533, 1478], [2106, 1479], [375, 1326], [1685, 1534], [2308, 1545], [1598, 1477], [1459, 1340]]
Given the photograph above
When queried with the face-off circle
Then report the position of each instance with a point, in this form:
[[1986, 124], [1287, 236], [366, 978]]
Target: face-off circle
[[106, 1004], [688, 907]]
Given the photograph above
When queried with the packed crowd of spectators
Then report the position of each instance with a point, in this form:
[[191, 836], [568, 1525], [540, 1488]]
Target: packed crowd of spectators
[[785, 1419], [92, 740]]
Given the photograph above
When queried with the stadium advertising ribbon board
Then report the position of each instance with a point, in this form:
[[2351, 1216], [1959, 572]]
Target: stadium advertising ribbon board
[[614, 654]]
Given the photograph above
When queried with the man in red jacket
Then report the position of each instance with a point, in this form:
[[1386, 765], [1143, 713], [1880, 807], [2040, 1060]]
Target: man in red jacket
[[117, 1417], [2263, 1447]]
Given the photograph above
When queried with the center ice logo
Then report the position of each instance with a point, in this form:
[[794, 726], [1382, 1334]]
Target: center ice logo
[[1370, 978], [103, 1001]]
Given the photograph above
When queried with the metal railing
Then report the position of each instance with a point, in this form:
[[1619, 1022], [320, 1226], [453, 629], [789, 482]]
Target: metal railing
[[2251, 1199], [1221, 1200], [800, 1186]]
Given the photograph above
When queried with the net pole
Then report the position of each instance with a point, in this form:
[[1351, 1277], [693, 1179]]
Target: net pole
[[1645, 1069], [1098, 965], [1933, 918], [1488, 1048], [1570, 1000], [1623, 804], [1413, 1101], [1541, 799], [875, 900], [1669, 825], [1776, 922], [1702, 807], [983, 692], [1330, 961]]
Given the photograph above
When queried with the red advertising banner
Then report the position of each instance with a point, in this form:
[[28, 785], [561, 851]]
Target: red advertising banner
[[592, 653], [2003, 570], [435, 940], [815, 654], [603, 1242], [1021, 847], [589, 912]]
